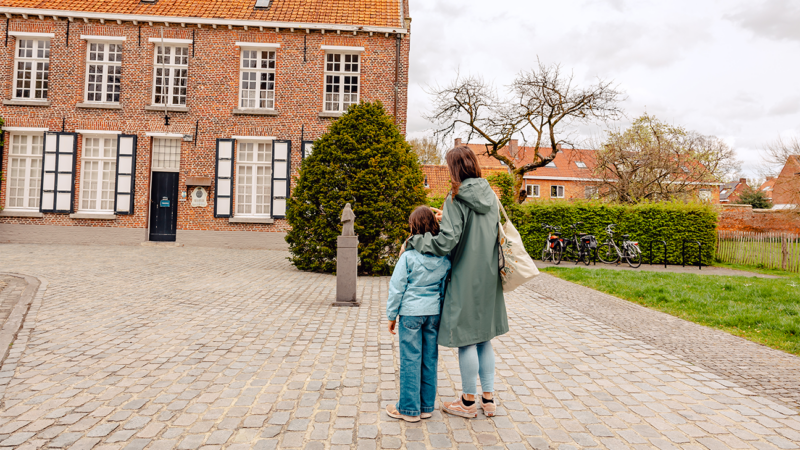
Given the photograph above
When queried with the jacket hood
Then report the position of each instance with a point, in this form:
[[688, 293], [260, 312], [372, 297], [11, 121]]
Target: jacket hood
[[477, 194], [430, 262]]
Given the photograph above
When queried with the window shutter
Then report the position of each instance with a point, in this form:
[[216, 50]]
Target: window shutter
[[281, 168], [58, 175], [306, 149], [126, 174], [223, 198]]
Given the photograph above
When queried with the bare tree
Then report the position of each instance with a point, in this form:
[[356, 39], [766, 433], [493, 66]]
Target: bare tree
[[776, 153], [652, 160], [427, 150], [542, 102]]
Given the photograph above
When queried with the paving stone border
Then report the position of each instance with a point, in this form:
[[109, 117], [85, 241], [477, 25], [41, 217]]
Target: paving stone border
[[761, 369], [32, 290]]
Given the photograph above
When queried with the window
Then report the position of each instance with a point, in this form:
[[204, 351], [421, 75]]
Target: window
[[551, 164], [580, 164], [341, 80], [532, 190], [103, 72], [32, 74], [171, 73], [24, 171], [590, 192], [253, 178], [98, 173], [426, 181], [257, 79], [166, 154], [557, 191], [705, 195]]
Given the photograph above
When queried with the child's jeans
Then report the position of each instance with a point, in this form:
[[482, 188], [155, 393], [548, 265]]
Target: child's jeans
[[419, 355]]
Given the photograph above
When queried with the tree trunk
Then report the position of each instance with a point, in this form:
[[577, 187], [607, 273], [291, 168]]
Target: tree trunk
[[518, 188]]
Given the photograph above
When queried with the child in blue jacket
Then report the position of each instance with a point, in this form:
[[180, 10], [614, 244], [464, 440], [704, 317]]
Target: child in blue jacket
[[416, 292]]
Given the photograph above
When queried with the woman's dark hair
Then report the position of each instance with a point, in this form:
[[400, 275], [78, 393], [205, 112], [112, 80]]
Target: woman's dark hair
[[422, 220], [463, 165]]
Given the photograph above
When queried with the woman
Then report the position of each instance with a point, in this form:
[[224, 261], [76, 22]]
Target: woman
[[474, 310]]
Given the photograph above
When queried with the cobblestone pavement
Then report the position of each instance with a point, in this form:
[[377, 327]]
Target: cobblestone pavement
[[157, 348], [10, 291]]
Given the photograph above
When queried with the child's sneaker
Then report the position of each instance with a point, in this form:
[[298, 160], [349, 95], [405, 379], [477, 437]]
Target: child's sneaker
[[459, 409], [426, 415], [489, 408], [392, 412]]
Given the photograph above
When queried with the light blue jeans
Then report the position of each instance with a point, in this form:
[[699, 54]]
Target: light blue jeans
[[473, 360], [419, 355]]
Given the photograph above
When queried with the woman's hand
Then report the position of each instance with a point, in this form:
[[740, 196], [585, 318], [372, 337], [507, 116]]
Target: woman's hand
[[402, 248], [437, 213], [392, 326]]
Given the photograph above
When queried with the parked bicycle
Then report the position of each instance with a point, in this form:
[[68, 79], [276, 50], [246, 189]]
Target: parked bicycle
[[577, 248], [611, 253], [554, 245]]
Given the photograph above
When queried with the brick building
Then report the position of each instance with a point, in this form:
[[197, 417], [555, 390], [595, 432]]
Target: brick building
[[730, 192], [247, 85], [786, 187]]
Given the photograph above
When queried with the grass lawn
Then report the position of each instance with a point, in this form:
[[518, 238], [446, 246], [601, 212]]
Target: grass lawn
[[762, 310]]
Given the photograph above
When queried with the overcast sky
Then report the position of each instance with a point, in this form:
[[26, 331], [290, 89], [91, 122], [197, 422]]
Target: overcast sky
[[729, 68]]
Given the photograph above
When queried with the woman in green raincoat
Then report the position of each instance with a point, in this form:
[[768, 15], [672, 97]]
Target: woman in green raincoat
[[474, 310]]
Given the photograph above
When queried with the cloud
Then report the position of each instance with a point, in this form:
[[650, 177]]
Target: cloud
[[774, 19], [787, 106]]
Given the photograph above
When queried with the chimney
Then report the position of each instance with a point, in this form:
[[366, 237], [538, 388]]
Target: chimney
[[743, 181], [513, 146], [458, 142]]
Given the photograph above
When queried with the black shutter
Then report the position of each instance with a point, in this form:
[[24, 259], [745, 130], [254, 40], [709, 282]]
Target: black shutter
[[58, 173], [223, 186], [126, 174]]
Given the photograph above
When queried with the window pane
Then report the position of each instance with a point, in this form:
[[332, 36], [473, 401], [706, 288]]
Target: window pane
[[166, 154]]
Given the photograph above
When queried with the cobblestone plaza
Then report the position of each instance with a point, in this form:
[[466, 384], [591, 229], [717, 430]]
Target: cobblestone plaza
[[160, 348]]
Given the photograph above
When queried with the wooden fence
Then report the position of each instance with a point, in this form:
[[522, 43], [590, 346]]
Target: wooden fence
[[767, 250]]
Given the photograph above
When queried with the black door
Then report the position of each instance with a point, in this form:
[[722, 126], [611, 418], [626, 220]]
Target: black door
[[164, 206]]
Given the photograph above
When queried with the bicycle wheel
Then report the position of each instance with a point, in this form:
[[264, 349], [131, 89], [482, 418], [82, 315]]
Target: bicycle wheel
[[607, 253], [587, 256], [633, 257], [558, 253], [545, 252]]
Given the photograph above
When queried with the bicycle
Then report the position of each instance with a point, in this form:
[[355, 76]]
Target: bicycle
[[576, 248], [553, 246], [610, 253]]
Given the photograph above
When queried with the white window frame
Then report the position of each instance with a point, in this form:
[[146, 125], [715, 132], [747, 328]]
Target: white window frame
[[558, 188], [31, 191], [551, 164], [532, 190], [106, 41], [169, 65], [580, 164], [594, 190], [101, 160], [165, 137], [705, 195], [258, 49], [253, 185], [36, 73], [344, 53]]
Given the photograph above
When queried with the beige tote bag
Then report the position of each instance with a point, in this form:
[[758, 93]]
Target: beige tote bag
[[516, 265]]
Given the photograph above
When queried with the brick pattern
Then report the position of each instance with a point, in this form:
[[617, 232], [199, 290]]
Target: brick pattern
[[745, 218], [213, 91], [786, 190], [256, 358], [379, 13]]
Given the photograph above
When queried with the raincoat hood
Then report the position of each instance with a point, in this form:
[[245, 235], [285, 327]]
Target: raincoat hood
[[477, 195]]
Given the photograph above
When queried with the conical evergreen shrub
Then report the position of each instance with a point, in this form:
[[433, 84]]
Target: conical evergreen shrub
[[365, 161]]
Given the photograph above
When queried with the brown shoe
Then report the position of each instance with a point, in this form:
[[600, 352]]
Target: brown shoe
[[489, 408], [458, 409], [392, 412]]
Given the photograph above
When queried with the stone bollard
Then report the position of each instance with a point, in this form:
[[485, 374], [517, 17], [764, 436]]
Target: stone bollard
[[347, 262]]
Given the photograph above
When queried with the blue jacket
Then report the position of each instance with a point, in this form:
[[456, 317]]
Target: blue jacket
[[417, 285]]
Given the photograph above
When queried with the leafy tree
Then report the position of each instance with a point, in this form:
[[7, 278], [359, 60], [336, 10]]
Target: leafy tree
[[427, 151], [365, 161], [653, 161], [751, 196]]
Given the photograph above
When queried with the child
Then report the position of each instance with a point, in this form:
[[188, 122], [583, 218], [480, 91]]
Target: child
[[416, 292]]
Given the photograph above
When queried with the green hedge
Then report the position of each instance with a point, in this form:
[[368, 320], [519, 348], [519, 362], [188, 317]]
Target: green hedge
[[645, 222]]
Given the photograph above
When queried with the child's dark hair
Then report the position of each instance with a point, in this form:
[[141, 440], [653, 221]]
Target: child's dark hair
[[422, 220]]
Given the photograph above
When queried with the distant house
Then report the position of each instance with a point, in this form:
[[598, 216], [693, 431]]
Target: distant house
[[730, 192], [767, 187], [786, 190]]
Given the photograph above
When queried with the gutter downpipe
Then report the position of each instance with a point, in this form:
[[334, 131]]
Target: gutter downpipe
[[396, 76]]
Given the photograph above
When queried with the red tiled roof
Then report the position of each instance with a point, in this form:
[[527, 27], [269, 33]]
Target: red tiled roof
[[376, 13], [565, 161]]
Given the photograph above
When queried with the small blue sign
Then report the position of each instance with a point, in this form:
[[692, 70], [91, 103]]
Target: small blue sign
[[164, 202]]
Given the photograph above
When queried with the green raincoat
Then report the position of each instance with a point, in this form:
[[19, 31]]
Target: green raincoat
[[474, 310]]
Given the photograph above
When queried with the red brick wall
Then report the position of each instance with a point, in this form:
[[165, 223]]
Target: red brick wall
[[745, 218], [212, 95]]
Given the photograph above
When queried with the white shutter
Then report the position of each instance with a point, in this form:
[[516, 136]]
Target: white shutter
[[126, 174], [58, 175], [281, 168], [307, 148], [223, 198]]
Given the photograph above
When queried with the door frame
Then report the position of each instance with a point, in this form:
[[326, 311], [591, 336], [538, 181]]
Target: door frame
[[153, 136]]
